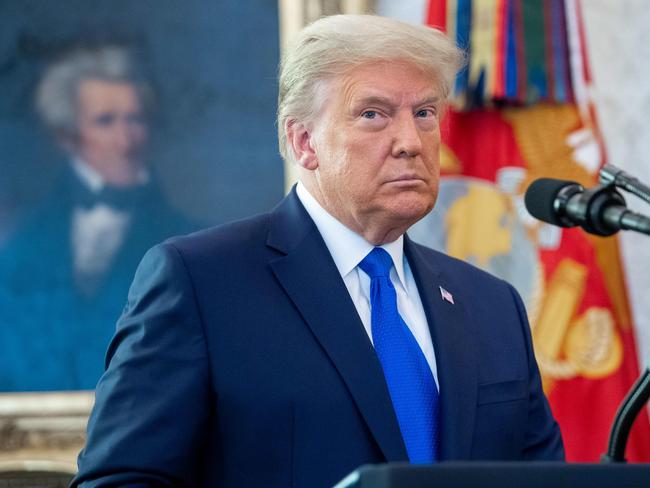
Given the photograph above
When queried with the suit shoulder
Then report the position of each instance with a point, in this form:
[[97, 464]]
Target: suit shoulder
[[241, 236], [459, 267]]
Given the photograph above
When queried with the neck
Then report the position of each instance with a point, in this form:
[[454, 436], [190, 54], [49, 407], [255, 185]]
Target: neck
[[376, 231]]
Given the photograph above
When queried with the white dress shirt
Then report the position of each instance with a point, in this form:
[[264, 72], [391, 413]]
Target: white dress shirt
[[97, 233], [348, 249]]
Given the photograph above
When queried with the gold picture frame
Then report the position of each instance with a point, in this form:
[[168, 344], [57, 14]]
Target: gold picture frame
[[41, 430]]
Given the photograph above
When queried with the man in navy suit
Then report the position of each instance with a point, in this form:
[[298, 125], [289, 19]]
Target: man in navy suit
[[289, 348]]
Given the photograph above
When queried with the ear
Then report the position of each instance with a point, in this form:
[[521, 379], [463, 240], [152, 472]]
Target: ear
[[301, 142]]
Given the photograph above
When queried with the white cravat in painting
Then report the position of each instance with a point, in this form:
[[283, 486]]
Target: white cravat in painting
[[97, 234]]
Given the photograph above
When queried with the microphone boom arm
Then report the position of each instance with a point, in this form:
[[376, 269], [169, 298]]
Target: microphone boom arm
[[611, 175], [628, 411]]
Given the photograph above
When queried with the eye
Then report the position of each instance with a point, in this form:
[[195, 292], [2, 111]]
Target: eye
[[369, 114], [425, 112], [104, 119]]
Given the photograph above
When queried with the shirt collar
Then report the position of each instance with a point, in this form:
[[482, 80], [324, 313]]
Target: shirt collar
[[94, 180], [88, 176], [346, 246]]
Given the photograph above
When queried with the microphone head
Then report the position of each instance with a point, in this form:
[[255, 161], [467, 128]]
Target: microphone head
[[542, 202]]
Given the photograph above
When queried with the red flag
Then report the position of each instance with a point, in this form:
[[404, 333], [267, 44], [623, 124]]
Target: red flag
[[579, 316]]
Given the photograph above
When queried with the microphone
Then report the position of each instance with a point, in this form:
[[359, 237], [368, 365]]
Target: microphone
[[600, 211]]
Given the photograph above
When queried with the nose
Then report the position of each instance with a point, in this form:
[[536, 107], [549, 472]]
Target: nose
[[122, 136], [407, 141], [127, 135]]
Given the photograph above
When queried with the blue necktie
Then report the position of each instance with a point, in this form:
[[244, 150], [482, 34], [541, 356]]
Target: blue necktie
[[410, 383]]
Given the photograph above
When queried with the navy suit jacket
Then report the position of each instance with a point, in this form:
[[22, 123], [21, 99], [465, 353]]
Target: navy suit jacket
[[240, 360]]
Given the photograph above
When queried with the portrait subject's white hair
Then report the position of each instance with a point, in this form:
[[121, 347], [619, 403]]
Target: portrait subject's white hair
[[333, 46], [57, 92]]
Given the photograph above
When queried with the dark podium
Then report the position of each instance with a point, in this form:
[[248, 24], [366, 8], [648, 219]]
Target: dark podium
[[499, 475]]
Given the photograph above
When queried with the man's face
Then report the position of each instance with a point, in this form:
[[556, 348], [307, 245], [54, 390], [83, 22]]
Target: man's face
[[376, 146], [111, 129]]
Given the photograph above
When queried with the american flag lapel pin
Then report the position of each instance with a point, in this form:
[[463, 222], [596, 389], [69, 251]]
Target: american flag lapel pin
[[446, 295]]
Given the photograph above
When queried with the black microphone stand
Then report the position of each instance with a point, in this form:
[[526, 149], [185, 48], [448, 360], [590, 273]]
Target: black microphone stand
[[611, 175], [639, 394], [602, 211], [635, 400]]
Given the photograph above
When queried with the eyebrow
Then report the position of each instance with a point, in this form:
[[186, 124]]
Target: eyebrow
[[388, 102], [374, 100], [429, 100]]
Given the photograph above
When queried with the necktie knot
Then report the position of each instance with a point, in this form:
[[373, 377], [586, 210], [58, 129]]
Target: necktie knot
[[377, 263]]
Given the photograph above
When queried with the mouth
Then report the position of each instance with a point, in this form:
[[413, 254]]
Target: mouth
[[406, 180]]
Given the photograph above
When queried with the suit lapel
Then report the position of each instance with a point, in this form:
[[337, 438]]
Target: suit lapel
[[310, 278], [455, 352]]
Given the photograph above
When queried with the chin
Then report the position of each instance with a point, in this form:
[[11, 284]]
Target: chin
[[414, 202], [411, 210]]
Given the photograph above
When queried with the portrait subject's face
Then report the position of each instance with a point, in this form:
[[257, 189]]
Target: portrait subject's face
[[111, 129], [376, 146]]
